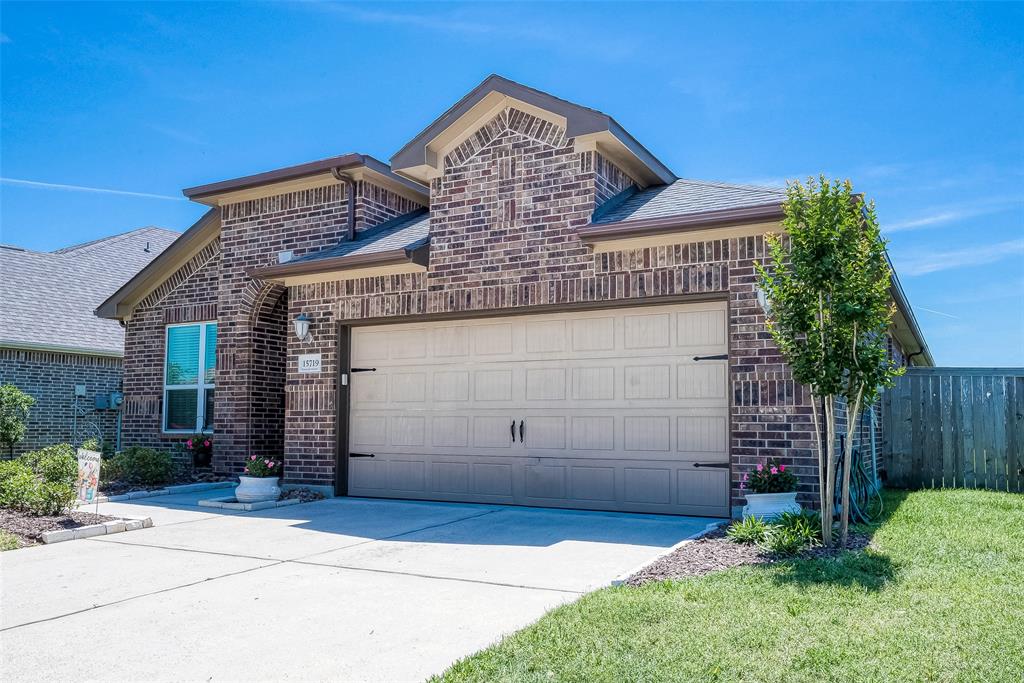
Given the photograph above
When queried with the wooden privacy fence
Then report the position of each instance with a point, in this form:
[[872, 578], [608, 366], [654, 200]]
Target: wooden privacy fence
[[955, 427]]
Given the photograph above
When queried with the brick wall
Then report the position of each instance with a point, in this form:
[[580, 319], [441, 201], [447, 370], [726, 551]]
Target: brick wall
[[189, 295], [50, 378], [503, 236]]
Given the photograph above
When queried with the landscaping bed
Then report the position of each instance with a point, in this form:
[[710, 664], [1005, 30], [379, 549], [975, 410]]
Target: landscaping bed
[[117, 488], [29, 529], [938, 595], [715, 552]]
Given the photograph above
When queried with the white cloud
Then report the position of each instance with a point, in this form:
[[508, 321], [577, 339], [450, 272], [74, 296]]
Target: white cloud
[[932, 310], [953, 212], [179, 135], [82, 188], [924, 262]]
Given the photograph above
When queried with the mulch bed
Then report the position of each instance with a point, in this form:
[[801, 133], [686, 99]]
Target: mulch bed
[[29, 528], [715, 552], [305, 495], [116, 488]]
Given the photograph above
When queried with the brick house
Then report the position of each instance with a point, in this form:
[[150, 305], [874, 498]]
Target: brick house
[[524, 307], [50, 341]]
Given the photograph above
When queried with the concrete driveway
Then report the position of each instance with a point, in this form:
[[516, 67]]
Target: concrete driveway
[[342, 589]]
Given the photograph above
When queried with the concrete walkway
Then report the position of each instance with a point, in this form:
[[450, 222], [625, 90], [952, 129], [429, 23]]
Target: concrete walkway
[[342, 589]]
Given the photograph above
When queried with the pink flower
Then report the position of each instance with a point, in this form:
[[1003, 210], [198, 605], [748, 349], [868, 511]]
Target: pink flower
[[742, 486], [782, 468], [760, 468], [746, 476], [246, 470], [252, 457], [774, 470], [189, 443], [268, 463], [206, 443]]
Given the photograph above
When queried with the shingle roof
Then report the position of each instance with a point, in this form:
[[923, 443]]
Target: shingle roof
[[47, 298], [685, 197], [408, 231]]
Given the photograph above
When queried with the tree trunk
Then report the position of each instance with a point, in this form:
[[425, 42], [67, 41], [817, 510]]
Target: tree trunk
[[821, 458], [844, 512], [828, 509]]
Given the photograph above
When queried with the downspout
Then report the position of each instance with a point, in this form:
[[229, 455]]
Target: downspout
[[350, 202]]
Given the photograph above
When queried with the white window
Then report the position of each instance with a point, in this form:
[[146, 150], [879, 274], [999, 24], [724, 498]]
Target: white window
[[189, 372]]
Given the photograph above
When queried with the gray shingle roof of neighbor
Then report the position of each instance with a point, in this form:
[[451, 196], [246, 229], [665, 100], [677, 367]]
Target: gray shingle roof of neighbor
[[408, 231], [684, 197], [47, 299]]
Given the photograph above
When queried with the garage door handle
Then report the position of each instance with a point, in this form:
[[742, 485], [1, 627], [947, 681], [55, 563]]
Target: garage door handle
[[721, 356], [361, 455], [363, 370], [512, 429], [719, 465], [521, 431]]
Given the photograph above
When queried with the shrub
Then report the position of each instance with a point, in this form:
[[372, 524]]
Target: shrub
[[806, 524], [55, 464], [256, 466], [783, 540], [23, 489], [139, 465], [749, 530], [105, 448], [15, 405]]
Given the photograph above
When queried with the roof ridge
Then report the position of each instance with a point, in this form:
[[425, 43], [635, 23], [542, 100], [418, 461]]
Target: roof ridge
[[111, 238], [738, 186]]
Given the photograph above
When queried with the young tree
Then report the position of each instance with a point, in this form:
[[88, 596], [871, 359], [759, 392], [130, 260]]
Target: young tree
[[827, 287], [14, 408]]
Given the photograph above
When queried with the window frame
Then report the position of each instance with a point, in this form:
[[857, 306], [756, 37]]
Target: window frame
[[201, 386]]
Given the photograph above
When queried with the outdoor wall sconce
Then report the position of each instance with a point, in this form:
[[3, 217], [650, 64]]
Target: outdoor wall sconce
[[762, 300], [302, 328]]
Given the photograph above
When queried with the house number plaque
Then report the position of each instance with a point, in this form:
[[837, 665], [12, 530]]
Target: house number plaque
[[309, 362]]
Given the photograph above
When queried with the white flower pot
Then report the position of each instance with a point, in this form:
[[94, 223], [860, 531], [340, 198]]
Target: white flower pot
[[770, 505], [257, 489]]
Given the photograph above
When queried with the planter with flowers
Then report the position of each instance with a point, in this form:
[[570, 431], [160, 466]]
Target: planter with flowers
[[259, 480], [200, 447], [772, 491]]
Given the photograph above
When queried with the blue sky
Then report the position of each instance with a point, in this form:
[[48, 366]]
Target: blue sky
[[921, 105]]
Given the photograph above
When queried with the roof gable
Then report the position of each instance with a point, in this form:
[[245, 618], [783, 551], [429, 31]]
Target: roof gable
[[422, 157]]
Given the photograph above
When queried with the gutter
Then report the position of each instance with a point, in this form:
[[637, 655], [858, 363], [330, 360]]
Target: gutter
[[416, 254], [905, 309], [57, 348], [685, 223]]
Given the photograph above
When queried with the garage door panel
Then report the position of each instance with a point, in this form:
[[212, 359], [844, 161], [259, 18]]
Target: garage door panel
[[593, 383], [614, 410], [700, 328]]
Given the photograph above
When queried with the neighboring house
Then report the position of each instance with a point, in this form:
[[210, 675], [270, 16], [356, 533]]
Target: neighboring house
[[50, 340], [525, 307]]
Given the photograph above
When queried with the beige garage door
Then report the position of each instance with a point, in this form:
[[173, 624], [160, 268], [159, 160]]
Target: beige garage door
[[603, 410]]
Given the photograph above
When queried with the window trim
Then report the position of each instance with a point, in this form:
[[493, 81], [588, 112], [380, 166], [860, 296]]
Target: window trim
[[201, 386]]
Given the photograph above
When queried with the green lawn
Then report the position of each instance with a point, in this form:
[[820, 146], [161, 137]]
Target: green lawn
[[8, 541], [942, 599]]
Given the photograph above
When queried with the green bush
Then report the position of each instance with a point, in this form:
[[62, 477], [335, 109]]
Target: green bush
[[105, 448], [749, 530], [56, 464], [806, 524], [783, 540], [23, 489], [139, 465]]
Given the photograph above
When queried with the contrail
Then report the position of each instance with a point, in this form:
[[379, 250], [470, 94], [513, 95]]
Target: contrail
[[82, 188]]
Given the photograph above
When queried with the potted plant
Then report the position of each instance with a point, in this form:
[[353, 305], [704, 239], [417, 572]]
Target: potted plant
[[772, 491], [259, 481], [200, 447]]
